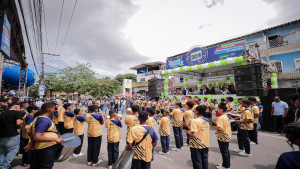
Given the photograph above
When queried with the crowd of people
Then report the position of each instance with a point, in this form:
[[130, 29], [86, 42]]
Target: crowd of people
[[212, 89], [34, 128]]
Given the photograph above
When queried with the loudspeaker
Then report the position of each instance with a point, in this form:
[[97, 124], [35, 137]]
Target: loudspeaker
[[155, 87], [251, 80]]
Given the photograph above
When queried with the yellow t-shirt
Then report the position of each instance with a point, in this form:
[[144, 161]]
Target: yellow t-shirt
[[149, 104], [194, 107], [113, 130], [151, 122], [229, 106], [94, 124], [255, 112], [188, 116], [130, 121], [154, 104], [143, 104], [164, 128], [225, 123], [200, 126], [79, 125], [117, 101], [177, 117], [61, 112], [144, 150], [246, 115], [68, 120], [207, 105], [158, 104]]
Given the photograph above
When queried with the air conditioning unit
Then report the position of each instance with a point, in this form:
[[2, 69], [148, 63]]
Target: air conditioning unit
[[297, 64]]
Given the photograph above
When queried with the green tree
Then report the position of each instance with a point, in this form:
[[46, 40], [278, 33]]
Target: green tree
[[120, 77], [105, 87]]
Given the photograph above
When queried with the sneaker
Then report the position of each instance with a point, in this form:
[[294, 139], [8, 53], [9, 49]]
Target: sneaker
[[161, 153], [75, 155], [80, 154], [26, 165], [167, 153], [175, 149], [181, 148], [221, 167], [109, 167], [252, 143], [99, 161], [237, 150], [89, 163], [245, 154], [185, 144]]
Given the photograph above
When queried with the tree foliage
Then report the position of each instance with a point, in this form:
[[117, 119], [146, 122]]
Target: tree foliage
[[120, 77]]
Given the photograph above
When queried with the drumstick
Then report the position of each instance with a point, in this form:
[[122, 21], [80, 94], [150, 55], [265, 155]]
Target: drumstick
[[69, 139]]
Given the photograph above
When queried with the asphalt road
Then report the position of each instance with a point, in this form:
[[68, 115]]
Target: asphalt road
[[264, 155]]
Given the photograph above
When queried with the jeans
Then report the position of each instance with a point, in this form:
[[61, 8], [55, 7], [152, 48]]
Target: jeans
[[253, 134], [123, 108], [278, 123], [239, 139], [140, 164], [27, 156], [78, 149], [44, 158], [105, 110], [261, 122], [94, 145], [113, 153], [8, 149], [165, 143], [178, 136], [199, 158], [224, 148], [245, 140], [116, 107]]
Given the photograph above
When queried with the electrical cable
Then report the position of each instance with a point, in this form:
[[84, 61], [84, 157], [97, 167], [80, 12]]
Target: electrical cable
[[62, 7]]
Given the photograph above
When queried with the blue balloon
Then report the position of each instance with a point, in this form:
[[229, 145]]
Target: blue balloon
[[11, 76]]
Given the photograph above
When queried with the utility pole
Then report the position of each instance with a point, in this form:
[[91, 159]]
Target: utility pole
[[43, 66]]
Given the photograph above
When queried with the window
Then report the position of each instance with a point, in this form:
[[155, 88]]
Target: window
[[276, 41], [297, 64], [277, 65], [181, 79]]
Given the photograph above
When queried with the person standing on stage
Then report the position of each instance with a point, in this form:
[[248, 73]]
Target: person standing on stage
[[199, 140], [79, 131], [245, 124], [27, 156], [143, 148], [255, 109], [113, 125], [223, 133], [68, 119], [61, 111], [95, 122], [177, 119], [188, 115], [44, 139]]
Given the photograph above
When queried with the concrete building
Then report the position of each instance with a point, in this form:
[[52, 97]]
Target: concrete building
[[145, 72]]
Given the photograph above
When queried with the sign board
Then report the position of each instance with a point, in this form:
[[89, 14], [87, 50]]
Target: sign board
[[5, 35], [199, 55], [127, 83], [141, 84]]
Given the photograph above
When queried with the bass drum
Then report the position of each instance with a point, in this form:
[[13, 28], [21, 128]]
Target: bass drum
[[125, 160], [67, 147]]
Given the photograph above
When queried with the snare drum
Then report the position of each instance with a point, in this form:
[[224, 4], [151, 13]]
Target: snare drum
[[68, 146], [125, 160]]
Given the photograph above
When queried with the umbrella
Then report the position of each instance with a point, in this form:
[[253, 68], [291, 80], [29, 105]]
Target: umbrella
[[121, 95]]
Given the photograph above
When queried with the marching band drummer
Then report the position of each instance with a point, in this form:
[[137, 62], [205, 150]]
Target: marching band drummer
[[79, 131], [44, 139], [68, 118], [188, 115], [133, 119], [61, 111], [55, 116]]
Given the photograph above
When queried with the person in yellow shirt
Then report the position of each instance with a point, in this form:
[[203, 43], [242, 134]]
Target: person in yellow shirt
[[208, 108], [230, 104], [255, 109], [116, 104], [143, 104], [61, 111], [113, 125], [149, 104], [154, 104], [239, 110], [246, 124], [158, 106], [79, 131], [44, 139], [164, 132], [151, 122], [143, 148], [177, 119], [132, 120], [223, 133], [55, 116], [69, 117], [199, 141], [188, 115], [95, 122]]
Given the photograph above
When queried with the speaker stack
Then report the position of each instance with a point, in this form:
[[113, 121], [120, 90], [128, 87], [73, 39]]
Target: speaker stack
[[155, 87], [251, 80]]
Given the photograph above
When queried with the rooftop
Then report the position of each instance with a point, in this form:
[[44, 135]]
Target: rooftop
[[150, 64]]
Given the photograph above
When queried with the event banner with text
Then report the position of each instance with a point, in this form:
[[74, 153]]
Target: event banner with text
[[215, 53]]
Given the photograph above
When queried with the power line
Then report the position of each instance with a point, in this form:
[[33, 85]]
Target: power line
[[29, 43], [62, 7], [45, 25], [68, 26]]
